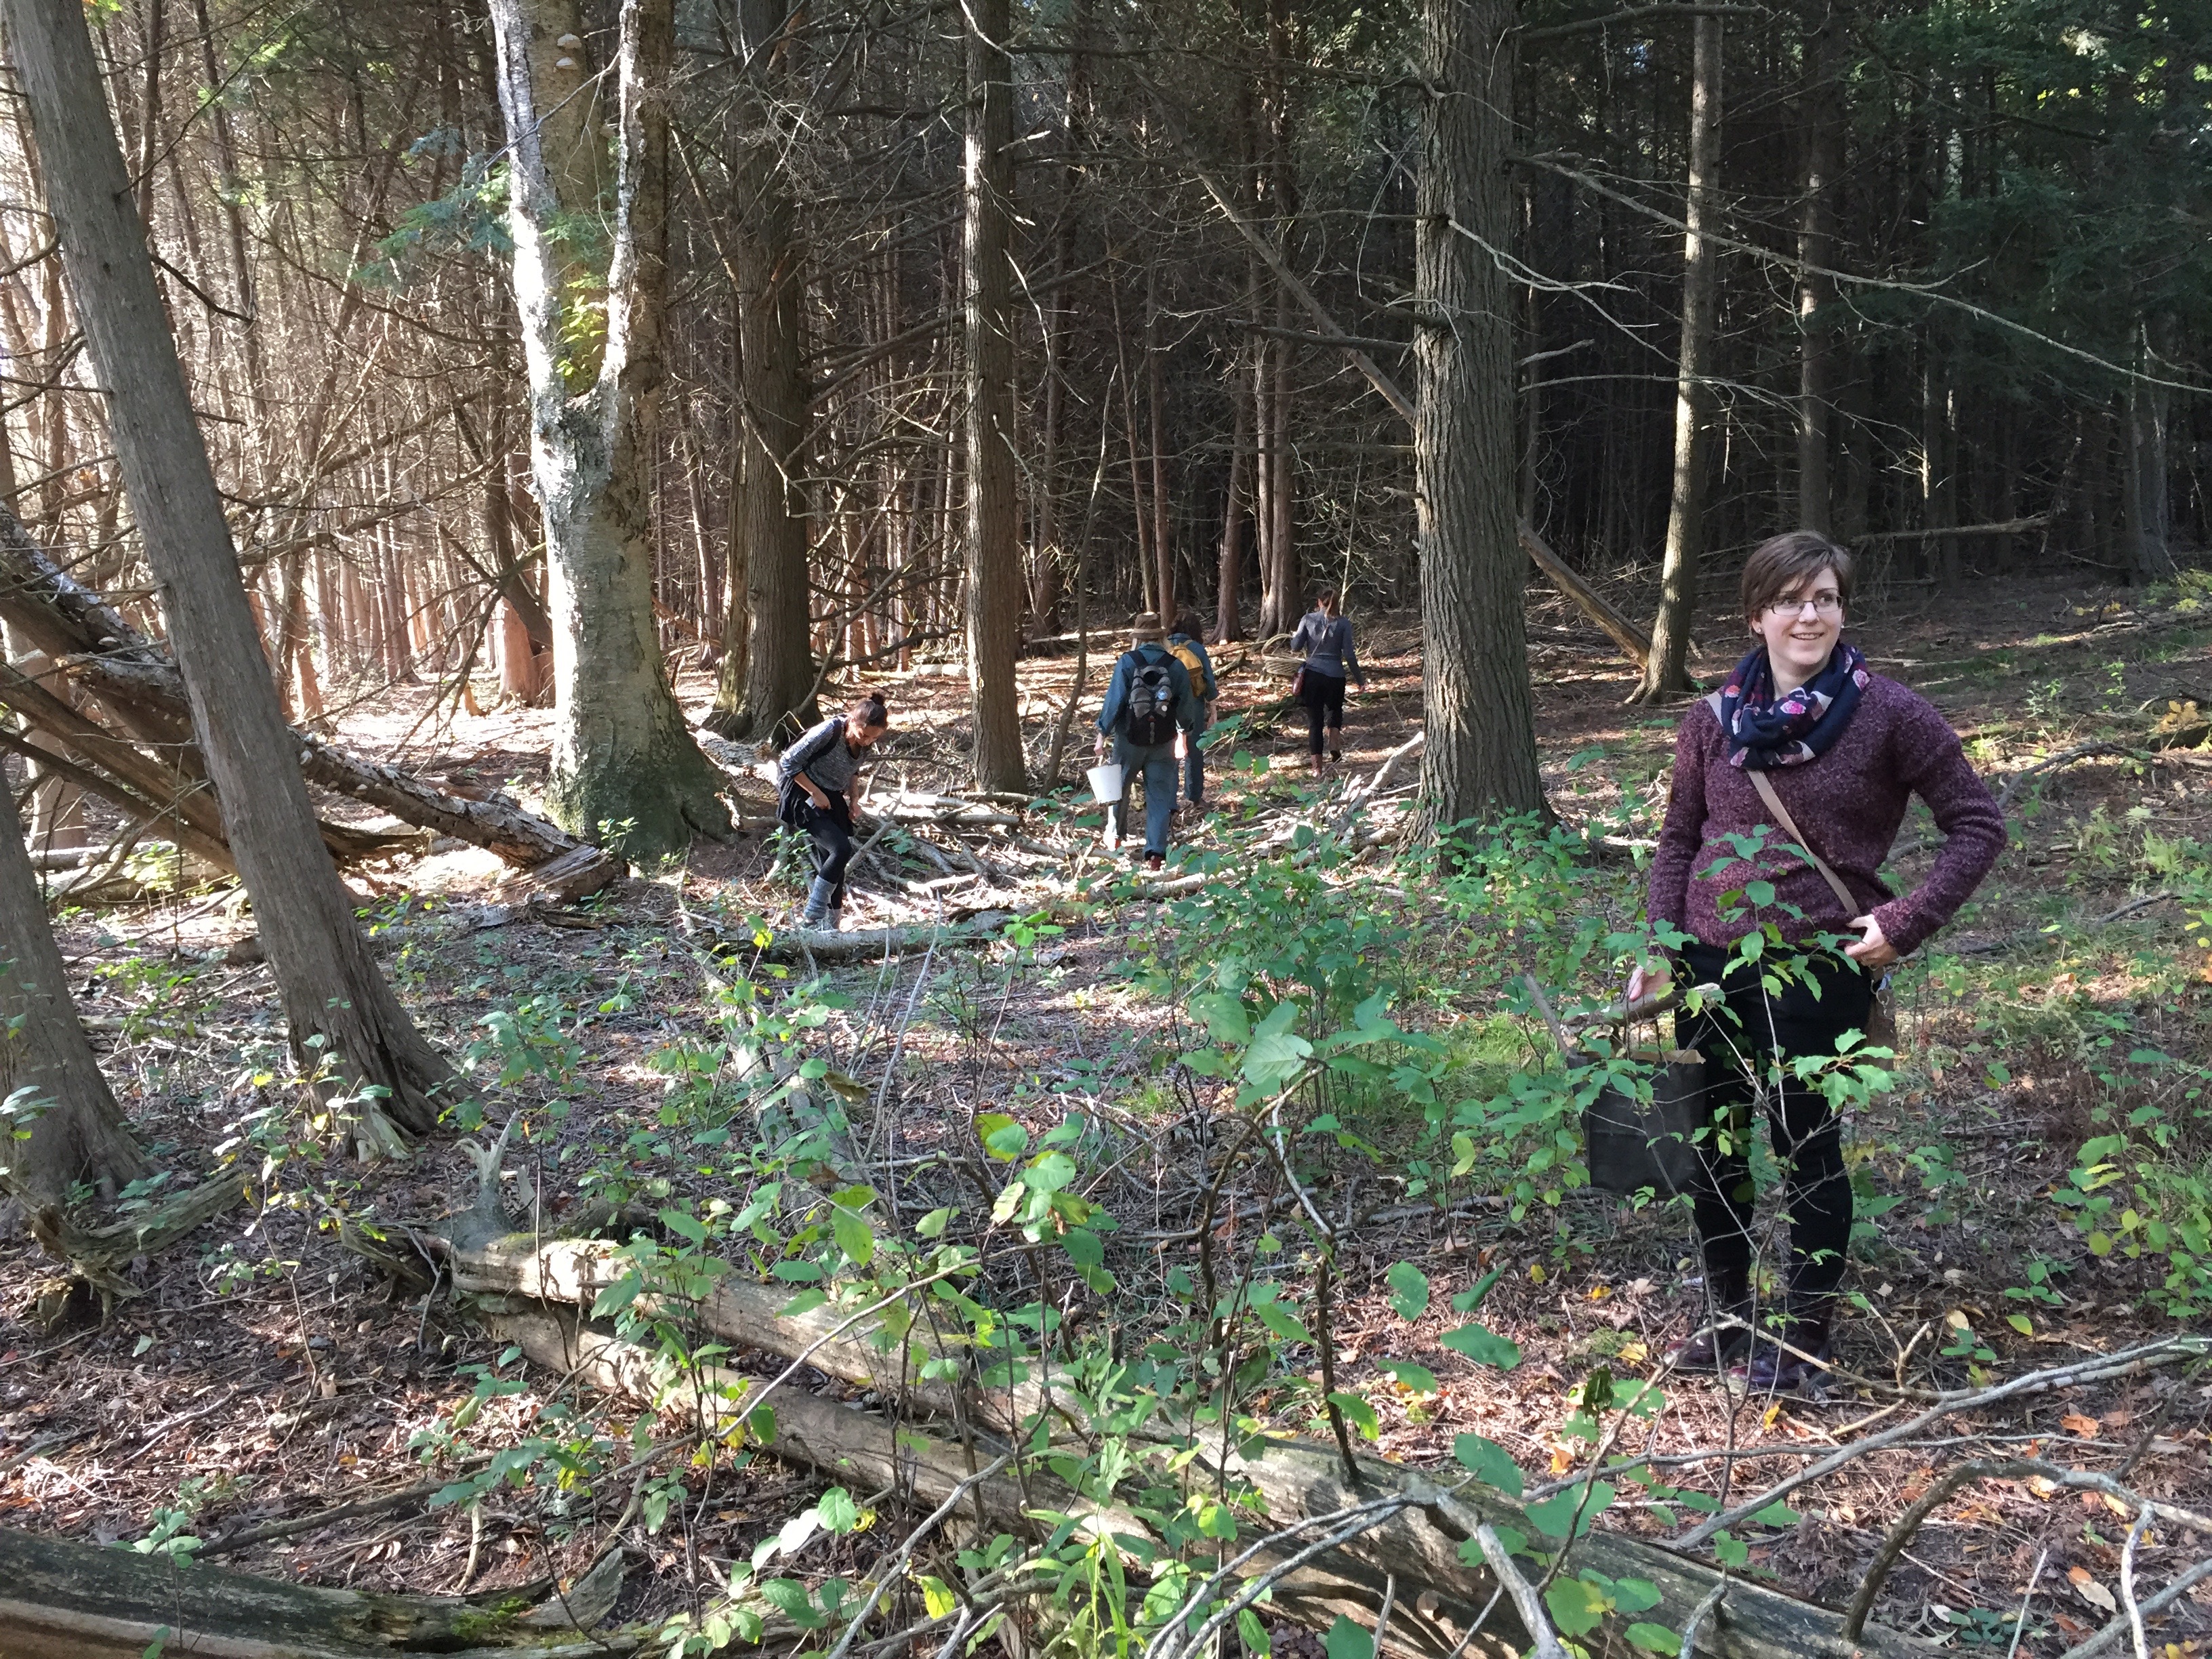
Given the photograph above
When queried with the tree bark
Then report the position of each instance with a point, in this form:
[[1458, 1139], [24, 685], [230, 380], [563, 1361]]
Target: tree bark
[[1228, 620], [347, 1029], [768, 676], [1480, 759], [624, 767], [76, 1130], [995, 571], [1666, 670], [1823, 121], [2146, 503]]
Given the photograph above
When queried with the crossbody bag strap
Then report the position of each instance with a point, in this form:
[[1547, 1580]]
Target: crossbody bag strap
[[1761, 782]]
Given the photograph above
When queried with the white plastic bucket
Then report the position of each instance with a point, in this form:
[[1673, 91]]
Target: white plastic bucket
[[1105, 782]]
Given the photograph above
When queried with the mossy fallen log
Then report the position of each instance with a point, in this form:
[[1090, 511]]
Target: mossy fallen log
[[63, 1600]]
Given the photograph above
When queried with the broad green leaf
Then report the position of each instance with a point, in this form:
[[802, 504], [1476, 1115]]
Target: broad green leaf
[[1224, 1015], [1282, 1322], [1555, 1515], [805, 1301], [1050, 1172], [803, 1272], [1577, 1606], [1655, 1638], [1359, 1414], [1256, 1640], [840, 1514], [854, 1237], [1082, 1247], [1491, 1464], [1484, 1345], [1347, 1641], [938, 1600], [1409, 1290], [687, 1226], [1419, 1378], [1472, 1297], [932, 1224], [1635, 1595]]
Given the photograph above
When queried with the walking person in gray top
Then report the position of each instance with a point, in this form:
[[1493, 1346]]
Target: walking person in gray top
[[815, 778], [1325, 637]]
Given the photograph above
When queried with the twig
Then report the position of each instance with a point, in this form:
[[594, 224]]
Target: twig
[[890, 1575], [2125, 1363], [2128, 1581], [1544, 1641], [2019, 1624], [1383, 1619], [2172, 1593], [1359, 1518], [1699, 1616]]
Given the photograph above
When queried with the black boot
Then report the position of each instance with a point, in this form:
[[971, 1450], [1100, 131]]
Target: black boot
[[1726, 1336], [1793, 1358]]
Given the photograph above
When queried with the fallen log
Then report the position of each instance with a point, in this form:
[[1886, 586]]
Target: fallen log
[[136, 682], [1412, 1545], [95, 1256], [63, 1600]]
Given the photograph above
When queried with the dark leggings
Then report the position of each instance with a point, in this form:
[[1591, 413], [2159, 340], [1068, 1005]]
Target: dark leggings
[[1808, 1135], [1324, 696], [831, 832]]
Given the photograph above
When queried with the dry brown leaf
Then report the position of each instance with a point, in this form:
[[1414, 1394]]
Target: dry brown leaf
[[2091, 1591], [2075, 1423]]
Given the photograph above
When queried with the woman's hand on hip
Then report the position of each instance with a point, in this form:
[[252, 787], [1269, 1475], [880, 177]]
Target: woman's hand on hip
[[1875, 950]]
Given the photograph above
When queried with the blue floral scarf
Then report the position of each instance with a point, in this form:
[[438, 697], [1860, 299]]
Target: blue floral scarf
[[1764, 732]]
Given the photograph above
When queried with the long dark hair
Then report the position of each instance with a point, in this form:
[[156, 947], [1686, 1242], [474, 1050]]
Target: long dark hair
[[869, 712]]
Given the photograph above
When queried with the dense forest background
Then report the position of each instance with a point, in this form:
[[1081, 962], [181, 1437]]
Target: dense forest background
[[1958, 251]]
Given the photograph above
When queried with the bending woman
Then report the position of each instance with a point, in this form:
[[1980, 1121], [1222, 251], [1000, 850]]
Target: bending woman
[[1326, 639], [815, 779], [1842, 749]]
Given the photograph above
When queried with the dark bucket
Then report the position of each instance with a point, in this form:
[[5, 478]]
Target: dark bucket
[[1630, 1145]]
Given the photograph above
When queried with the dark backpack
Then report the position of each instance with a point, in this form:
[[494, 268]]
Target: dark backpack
[[1150, 717]]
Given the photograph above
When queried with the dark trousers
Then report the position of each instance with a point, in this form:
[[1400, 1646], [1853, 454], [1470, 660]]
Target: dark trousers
[[831, 831], [1741, 1047], [1324, 696]]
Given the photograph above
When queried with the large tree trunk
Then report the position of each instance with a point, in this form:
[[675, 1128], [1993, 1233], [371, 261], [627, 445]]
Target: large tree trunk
[[1480, 760], [1823, 121], [768, 673], [1228, 621], [624, 766], [2146, 501], [995, 571], [76, 1130], [346, 1027], [1666, 670]]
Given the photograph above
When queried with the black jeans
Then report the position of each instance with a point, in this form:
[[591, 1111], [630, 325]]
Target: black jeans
[[1740, 1047], [1324, 697], [831, 832]]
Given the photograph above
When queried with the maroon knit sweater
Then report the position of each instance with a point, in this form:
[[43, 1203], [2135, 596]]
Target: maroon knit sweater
[[1849, 803]]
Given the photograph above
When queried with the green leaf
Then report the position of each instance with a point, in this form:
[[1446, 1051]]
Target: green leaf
[[803, 1272], [1050, 1172], [1777, 1514], [1359, 1414], [1224, 1015], [805, 1301], [1577, 1606], [932, 1224], [1491, 1464], [1007, 1139], [1471, 1298], [854, 1237], [1277, 1053], [938, 1600], [1637, 1596], [1419, 1378], [1082, 1247], [839, 1513], [687, 1226], [1730, 1551], [1482, 1345], [1654, 1638], [1348, 1640], [1282, 1322], [1409, 1290], [1555, 1515], [1256, 1640]]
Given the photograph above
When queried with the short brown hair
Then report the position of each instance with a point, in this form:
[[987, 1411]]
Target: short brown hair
[[1780, 562]]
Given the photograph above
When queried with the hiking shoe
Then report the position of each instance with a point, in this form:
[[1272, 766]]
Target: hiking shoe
[[1156, 862], [1718, 1345], [1794, 1361]]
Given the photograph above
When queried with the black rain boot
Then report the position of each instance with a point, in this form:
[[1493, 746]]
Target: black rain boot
[[1726, 1336], [817, 905], [1795, 1358]]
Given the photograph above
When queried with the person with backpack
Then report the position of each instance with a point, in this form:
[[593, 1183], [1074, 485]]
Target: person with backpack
[[814, 783], [1150, 699], [1325, 638], [1190, 651]]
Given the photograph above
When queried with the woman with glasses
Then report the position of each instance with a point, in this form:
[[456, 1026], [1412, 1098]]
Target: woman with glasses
[[1804, 750]]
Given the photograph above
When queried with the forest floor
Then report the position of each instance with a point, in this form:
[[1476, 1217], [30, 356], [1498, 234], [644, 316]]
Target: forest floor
[[265, 1372]]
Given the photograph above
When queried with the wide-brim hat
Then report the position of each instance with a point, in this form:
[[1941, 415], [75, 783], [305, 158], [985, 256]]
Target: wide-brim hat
[[1147, 626]]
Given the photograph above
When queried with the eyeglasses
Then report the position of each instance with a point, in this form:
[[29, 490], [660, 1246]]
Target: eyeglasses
[[1826, 605]]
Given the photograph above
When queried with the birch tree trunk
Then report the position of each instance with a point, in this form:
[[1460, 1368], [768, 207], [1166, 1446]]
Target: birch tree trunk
[[1480, 758], [1666, 670], [624, 768], [76, 1130], [995, 569], [768, 672], [346, 1029]]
